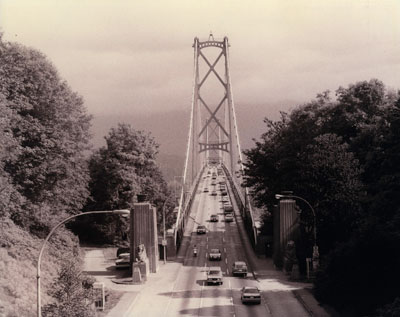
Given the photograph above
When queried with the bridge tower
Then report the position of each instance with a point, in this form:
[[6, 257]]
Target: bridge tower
[[213, 133], [214, 136]]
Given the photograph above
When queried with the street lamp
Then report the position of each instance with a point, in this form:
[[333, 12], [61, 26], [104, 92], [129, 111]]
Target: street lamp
[[117, 212], [164, 233], [315, 247]]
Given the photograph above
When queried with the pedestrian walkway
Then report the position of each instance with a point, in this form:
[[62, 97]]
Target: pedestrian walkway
[[162, 282], [271, 279]]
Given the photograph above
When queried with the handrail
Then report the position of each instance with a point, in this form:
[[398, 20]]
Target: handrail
[[245, 202]]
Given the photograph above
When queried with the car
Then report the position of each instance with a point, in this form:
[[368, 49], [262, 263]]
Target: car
[[239, 268], [201, 229], [228, 208], [215, 254], [123, 261], [224, 192], [225, 199], [205, 190], [214, 275], [123, 250], [214, 193], [214, 218], [229, 217], [250, 294]]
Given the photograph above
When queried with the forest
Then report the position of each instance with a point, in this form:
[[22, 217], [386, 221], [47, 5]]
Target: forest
[[341, 153], [49, 171]]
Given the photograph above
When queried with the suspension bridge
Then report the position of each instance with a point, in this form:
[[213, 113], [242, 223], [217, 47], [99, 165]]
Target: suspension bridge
[[215, 217], [213, 136]]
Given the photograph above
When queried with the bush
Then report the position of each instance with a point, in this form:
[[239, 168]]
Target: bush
[[390, 310], [73, 293], [362, 274]]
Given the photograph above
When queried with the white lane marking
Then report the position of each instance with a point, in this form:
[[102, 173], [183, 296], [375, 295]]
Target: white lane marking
[[201, 298], [225, 250], [233, 305], [227, 272], [226, 261]]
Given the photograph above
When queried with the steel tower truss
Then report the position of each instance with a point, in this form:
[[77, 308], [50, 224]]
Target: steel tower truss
[[213, 136]]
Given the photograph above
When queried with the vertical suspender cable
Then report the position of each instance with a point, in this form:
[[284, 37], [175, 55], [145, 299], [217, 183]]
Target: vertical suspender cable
[[181, 202], [237, 137]]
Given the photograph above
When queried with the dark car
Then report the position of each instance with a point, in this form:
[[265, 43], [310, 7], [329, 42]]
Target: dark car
[[201, 229], [214, 218], [239, 268]]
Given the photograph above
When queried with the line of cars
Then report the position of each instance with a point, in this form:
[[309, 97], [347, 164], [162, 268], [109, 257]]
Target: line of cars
[[249, 294]]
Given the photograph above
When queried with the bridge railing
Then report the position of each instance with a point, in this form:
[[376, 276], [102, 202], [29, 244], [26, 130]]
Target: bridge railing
[[185, 204], [245, 208]]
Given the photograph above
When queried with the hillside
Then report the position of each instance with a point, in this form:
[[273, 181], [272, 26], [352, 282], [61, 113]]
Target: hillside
[[19, 251]]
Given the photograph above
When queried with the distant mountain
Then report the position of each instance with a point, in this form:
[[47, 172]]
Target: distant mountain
[[170, 129]]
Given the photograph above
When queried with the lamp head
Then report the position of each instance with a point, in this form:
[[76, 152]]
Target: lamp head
[[123, 212]]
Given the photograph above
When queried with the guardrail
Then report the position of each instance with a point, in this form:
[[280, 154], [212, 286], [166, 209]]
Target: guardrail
[[184, 211], [245, 207]]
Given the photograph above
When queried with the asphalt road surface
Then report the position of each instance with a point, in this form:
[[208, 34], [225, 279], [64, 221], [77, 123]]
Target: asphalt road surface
[[189, 295]]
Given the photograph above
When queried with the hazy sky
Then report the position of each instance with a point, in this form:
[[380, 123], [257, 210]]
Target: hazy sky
[[137, 56]]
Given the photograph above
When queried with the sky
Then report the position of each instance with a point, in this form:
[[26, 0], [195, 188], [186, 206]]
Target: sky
[[136, 56]]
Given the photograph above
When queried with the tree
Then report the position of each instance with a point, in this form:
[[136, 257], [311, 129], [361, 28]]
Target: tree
[[50, 127], [342, 156], [125, 167], [73, 293]]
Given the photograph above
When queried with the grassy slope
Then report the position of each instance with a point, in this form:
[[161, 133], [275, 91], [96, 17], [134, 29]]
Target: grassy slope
[[18, 256]]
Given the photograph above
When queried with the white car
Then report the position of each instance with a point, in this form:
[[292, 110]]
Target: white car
[[123, 261], [250, 294], [215, 254], [214, 275]]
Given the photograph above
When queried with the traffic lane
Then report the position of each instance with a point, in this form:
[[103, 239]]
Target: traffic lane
[[251, 310], [216, 301], [187, 291]]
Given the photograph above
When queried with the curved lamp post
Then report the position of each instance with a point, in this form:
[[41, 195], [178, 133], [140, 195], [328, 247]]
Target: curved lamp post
[[118, 212], [164, 233], [315, 247]]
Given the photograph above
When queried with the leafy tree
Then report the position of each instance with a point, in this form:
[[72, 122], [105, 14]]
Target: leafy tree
[[10, 199], [50, 128], [125, 167], [342, 156], [73, 293]]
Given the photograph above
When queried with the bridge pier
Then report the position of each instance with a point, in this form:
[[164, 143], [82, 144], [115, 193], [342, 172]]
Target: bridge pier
[[143, 231]]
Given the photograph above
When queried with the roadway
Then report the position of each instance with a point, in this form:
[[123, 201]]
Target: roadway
[[189, 295]]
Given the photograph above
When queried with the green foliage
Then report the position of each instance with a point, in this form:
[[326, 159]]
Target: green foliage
[[73, 292]]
